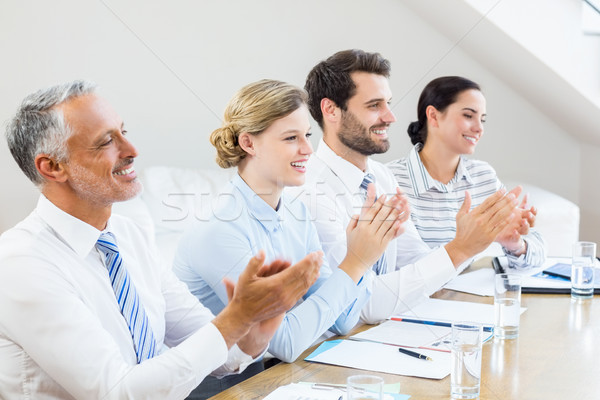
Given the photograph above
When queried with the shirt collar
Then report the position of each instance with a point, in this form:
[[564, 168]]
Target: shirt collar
[[462, 172], [421, 179], [78, 235], [350, 175], [260, 210]]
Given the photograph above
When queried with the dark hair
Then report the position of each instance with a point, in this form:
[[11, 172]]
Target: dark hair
[[331, 78], [439, 93]]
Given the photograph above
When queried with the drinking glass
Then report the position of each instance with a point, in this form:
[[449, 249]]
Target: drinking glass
[[507, 305], [363, 387], [582, 270], [465, 375]]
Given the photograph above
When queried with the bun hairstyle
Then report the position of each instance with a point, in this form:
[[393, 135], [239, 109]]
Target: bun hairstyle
[[439, 93], [253, 109], [416, 132]]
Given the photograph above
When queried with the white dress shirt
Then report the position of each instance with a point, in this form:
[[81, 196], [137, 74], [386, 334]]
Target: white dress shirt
[[62, 335], [332, 193]]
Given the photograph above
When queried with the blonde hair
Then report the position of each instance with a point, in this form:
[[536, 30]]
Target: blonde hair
[[253, 109]]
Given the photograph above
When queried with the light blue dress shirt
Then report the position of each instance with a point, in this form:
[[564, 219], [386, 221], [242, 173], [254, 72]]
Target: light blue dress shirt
[[239, 227]]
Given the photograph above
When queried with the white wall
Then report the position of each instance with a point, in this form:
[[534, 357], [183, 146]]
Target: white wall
[[170, 68]]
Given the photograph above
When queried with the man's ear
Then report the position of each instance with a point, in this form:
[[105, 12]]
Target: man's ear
[[432, 116], [50, 169], [331, 112], [246, 142]]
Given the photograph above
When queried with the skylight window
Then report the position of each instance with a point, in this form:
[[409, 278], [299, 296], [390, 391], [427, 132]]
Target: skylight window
[[590, 17]]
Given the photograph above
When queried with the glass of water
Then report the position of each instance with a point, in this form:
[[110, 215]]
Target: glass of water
[[582, 270], [507, 305], [465, 375], [364, 387]]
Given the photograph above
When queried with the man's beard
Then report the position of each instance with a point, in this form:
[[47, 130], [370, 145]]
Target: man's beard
[[100, 190], [354, 135]]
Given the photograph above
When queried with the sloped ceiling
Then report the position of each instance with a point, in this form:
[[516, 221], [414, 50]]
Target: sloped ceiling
[[513, 63]]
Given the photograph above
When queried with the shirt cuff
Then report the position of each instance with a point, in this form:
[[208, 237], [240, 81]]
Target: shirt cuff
[[519, 261], [524, 246], [437, 269], [237, 362], [204, 351]]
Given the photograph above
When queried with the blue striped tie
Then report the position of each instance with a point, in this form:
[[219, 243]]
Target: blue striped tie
[[380, 266], [127, 297]]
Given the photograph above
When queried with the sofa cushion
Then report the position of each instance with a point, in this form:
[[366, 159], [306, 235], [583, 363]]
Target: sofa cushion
[[557, 219], [173, 198], [176, 197]]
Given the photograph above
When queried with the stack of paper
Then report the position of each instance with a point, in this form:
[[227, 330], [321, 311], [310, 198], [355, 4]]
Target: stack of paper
[[381, 357], [426, 329], [479, 282], [408, 335], [534, 280], [451, 310], [298, 391]]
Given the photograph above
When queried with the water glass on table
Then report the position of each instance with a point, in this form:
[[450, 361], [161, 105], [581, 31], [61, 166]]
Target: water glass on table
[[507, 305], [365, 387], [582, 270], [465, 375]]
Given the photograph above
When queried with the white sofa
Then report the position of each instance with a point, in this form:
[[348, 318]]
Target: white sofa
[[173, 198], [557, 219]]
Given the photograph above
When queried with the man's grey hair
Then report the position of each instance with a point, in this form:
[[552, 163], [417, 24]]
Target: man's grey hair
[[39, 126]]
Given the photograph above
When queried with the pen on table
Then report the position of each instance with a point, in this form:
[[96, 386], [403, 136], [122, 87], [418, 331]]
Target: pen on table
[[329, 386], [436, 323], [414, 354]]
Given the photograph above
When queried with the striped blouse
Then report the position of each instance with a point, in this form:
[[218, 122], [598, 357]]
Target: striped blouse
[[434, 204]]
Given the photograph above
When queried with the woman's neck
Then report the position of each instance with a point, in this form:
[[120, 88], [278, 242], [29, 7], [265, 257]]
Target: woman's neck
[[439, 162], [268, 191]]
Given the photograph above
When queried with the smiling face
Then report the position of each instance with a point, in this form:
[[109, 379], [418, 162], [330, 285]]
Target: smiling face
[[460, 126], [281, 151], [99, 170], [365, 123]]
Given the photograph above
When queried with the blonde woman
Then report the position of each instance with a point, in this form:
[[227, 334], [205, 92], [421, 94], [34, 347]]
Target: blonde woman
[[265, 134]]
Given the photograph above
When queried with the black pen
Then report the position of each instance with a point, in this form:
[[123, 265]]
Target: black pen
[[414, 354]]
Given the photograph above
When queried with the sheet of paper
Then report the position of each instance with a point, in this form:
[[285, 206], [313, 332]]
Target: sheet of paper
[[451, 310], [539, 281], [480, 282], [380, 357], [404, 334], [391, 388], [534, 277], [295, 391]]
